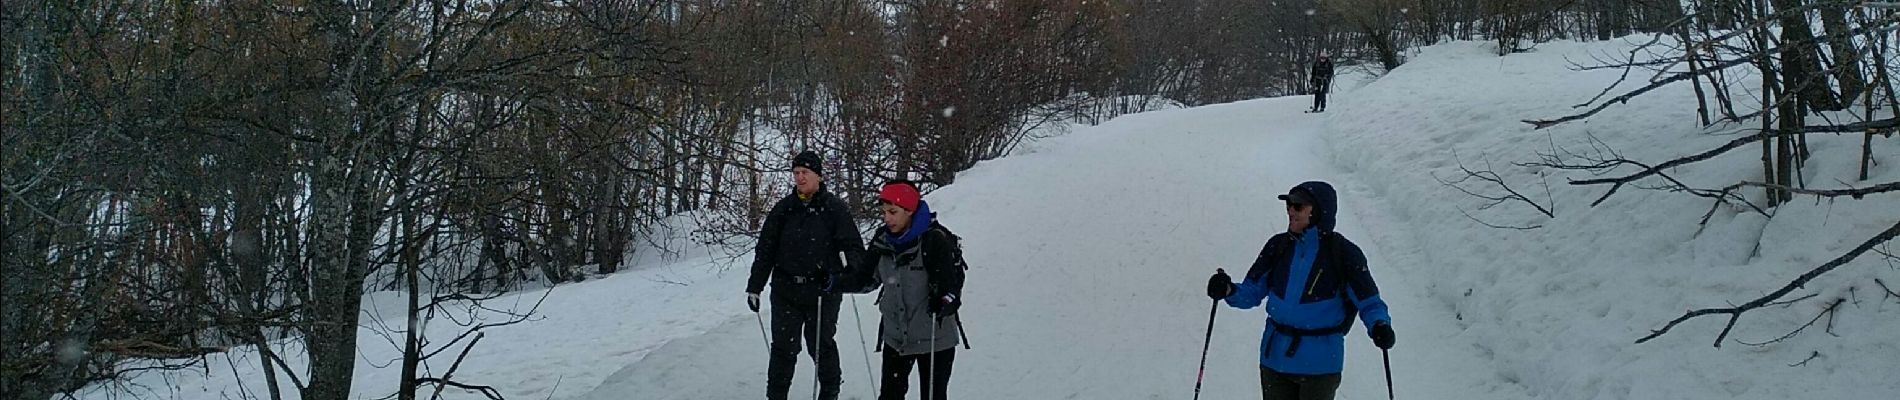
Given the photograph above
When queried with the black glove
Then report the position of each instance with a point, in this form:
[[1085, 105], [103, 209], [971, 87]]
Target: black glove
[[844, 284], [1382, 335], [1220, 285], [752, 301], [946, 304]]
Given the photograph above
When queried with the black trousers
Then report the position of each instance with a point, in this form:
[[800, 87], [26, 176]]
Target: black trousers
[[1319, 96], [933, 373], [796, 314], [1278, 386]]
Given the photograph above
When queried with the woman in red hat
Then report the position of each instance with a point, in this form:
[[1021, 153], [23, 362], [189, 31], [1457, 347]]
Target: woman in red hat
[[912, 259]]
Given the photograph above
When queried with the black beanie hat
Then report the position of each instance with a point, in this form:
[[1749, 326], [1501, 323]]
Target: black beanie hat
[[810, 161]]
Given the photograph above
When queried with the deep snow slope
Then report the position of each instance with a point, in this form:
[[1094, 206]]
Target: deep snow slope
[[1560, 307]]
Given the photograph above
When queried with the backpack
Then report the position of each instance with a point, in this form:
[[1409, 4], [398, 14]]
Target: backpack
[[956, 243], [957, 261]]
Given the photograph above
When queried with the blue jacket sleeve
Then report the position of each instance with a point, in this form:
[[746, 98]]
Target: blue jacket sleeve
[[1253, 288], [1249, 293], [1360, 289]]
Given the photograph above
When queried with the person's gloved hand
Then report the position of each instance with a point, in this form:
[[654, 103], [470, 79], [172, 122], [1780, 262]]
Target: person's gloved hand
[[946, 304], [1220, 285], [1382, 335], [752, 301], [843, 284]]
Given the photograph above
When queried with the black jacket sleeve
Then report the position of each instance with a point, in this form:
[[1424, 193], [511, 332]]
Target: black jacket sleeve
[[1263, 263], [940, 262], [764, 256], [844, 233], [860, 274]]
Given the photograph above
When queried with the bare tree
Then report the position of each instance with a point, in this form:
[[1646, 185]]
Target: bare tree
[[1791, 87]]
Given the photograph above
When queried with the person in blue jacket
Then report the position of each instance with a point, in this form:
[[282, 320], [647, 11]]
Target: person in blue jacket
[[1313, 282]]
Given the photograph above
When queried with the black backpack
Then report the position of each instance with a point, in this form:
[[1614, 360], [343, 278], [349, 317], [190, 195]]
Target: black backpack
[[956, 260], [956, 243]]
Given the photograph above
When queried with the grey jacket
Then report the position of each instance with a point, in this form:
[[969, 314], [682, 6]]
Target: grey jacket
[[905, 299]]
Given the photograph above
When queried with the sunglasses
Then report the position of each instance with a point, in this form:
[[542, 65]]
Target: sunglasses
[[1298, 206]]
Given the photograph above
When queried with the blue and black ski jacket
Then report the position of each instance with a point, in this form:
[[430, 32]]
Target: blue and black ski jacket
[[1313, 283]]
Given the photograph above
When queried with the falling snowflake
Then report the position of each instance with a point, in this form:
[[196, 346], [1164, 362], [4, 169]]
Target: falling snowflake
[[948, 111], [71, 352]]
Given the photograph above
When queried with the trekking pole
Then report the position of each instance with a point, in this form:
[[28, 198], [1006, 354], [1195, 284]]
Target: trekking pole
[[930, 382], [867, 349], [1388, 372], [1205, 344], [768, 339], [962, 334], [817, 356]]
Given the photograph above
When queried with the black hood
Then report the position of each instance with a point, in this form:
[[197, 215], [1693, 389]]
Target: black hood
[[1326, 203]]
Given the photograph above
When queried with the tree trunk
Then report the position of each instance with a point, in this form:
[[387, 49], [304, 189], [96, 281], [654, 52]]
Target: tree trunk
[[1884, 81], [340, 224], [1800, 68], [494, 259], [1768, 90], [1791, 120], [1692, 53], [248, 252], [553, 251], [1603, 15], [336, 283], [1867, 140], [1846, 56], [607, 230], [412, 341]]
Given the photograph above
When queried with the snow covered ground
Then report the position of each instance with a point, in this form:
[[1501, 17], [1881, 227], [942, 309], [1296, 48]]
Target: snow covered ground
[[1089, 258], [1089, 254], [1559, 308]]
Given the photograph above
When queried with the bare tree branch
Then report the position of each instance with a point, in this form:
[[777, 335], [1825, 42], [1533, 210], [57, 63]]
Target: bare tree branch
[[1804, 361], [1883, 286], [1647, 171], [444, 380], [1492, 178], [1825, 312], [1855, 193], [1735, 313]]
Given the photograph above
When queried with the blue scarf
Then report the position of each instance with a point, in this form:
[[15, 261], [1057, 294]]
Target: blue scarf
[[919, 223]]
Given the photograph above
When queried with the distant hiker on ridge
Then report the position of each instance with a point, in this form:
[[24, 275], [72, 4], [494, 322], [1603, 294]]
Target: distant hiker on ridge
[[1322, 80]]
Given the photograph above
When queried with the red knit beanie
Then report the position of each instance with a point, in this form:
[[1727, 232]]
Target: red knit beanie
[[900, 193]]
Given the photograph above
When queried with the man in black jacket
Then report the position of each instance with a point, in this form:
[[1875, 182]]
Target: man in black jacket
[[1322, 80], [799, 249]]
